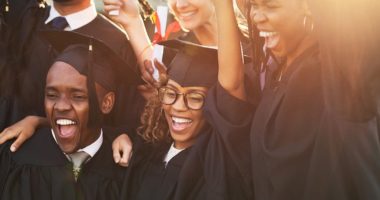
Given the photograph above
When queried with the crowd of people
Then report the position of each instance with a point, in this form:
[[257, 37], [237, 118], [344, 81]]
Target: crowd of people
[[258, 99]]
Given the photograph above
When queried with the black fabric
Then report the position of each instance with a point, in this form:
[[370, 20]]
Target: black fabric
[[34, 57], [39, 170], [213, 168], [301, 150]]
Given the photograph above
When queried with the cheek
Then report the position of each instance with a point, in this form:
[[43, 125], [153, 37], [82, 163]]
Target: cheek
[[172, 5]]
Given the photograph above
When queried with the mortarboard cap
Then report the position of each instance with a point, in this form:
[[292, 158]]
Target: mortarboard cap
[[194, 64], [94, 59]]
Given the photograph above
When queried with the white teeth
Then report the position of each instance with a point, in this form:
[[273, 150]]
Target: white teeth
[[187, 14], [267, 34], [65, 122], [181, 120]]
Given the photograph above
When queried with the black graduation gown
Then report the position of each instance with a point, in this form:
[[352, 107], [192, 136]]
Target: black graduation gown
[[215, 167], [34, 57], [302, 150], [39, 170]]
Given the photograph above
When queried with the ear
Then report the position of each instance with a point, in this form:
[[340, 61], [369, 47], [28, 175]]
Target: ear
[[108, 102]]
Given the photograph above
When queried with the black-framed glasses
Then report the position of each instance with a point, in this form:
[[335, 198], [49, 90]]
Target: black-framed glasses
[[193, 100]]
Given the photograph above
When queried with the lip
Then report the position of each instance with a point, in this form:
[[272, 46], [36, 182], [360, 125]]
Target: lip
[[186, 15], [179, 124], [65, 128]]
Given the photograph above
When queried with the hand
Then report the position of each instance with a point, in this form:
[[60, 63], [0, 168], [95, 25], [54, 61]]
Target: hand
[[122, 150], [21, 130], [128, 10], [147, 73]]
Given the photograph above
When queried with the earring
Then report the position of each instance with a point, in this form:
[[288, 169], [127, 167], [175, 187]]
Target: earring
[[306, 19]]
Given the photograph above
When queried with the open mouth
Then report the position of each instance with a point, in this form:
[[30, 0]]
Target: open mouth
[[180, 124], [271, 38], [66, 127]]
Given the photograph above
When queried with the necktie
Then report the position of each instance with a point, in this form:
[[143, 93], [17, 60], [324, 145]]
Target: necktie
[[77, 159], [58, 23]]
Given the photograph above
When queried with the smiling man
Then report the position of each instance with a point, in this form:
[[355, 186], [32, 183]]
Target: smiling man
[[73, 159]]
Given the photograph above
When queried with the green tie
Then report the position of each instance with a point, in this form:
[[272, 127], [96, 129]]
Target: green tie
[[78, 159]]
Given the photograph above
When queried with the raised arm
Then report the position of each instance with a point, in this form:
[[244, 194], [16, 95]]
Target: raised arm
[[129, 17], [231, 68]]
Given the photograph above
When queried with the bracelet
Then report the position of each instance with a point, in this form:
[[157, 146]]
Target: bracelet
[[144, 50]]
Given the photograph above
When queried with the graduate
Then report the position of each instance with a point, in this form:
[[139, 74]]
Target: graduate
[[73, 159], [315, 130], [182, 155], [29, 57]]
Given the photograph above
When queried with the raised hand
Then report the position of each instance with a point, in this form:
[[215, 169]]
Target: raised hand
[[128, 11]]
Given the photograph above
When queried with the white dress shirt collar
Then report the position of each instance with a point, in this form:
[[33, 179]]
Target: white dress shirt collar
[[91, 149], [75, 20]]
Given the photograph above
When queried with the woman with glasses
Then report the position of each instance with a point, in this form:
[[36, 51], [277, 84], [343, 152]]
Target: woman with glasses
[[182, 156]]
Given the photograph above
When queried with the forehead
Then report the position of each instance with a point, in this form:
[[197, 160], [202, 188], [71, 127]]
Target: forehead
[[64, 75], [174, 84]]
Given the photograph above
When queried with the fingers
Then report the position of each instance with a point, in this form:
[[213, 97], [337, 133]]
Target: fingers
[[112, 2], [116, 151], [8, 134], [127, 153], [160, 66], [19, 141], [110, 7], [147, 72]]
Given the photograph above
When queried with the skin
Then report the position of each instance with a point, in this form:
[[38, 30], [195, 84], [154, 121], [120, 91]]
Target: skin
[[286, 18], [66, 97], [185, 137], [66, 7], [197, 16]]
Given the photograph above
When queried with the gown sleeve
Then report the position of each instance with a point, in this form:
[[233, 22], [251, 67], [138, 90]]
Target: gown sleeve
[[230, 119]]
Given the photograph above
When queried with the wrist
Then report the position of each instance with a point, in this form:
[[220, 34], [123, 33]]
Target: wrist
[[131, 24]]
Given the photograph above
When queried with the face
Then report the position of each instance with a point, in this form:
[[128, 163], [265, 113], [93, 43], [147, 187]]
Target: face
[[67, 107], [281, 23], [184, 123], [193, 14]]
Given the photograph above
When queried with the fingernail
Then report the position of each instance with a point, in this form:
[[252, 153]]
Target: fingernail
[[13, 148]]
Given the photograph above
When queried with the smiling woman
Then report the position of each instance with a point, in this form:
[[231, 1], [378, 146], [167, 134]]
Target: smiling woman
[[182, 152]]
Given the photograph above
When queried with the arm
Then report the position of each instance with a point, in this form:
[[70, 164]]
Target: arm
[[129, 17], [231, 68], [22, 131]]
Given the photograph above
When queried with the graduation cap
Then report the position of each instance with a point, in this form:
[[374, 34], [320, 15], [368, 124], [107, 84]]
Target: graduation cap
[[194, 64], [94, 59]]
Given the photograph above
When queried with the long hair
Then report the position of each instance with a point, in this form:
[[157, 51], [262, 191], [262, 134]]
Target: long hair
[[257, 43], [154, 127]]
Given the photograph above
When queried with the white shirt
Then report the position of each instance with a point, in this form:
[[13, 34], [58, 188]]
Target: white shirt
[[171, 153], [92, 148], [75, 20]]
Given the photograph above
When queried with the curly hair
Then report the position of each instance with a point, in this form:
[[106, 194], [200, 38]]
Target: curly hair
[[154, 127]]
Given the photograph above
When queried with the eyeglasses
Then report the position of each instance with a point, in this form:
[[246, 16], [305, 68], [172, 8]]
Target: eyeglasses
[[193, 100]]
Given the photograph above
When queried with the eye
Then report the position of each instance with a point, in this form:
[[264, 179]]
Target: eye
[[195, 97], [51, 95], [79, 97]]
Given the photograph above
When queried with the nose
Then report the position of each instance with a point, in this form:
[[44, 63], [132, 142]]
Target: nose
[[179, 104], [180, 4], [62, 104], [258, 16]]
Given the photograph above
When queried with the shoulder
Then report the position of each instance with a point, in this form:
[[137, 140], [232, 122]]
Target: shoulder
[[40, 150]]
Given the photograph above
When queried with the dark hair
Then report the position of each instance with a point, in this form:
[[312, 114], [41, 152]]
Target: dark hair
[[256, 41]]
